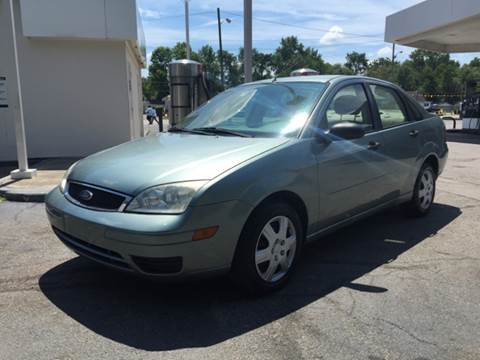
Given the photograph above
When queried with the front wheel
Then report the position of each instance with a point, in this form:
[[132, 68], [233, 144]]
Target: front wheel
[[424, 192], [268, 248]]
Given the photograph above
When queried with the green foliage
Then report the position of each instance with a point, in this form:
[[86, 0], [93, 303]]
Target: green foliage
[[356, 62], [155, 87], [262, 64], [427, 72], [383, 68], [292, 55], [337, 69]]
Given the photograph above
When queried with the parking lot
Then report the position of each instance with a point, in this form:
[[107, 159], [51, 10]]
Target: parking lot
[[389, 287]]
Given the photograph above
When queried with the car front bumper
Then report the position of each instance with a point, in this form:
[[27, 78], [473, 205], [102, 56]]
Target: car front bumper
[[154, 245]]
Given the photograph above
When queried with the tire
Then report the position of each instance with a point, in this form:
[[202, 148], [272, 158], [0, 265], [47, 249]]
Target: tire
[[423, 192], [263, 238]]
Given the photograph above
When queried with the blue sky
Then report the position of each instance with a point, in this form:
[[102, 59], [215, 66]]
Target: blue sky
[[332, 27]]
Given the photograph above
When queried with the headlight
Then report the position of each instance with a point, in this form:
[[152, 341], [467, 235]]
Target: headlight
[[165, 199], [63, 183]]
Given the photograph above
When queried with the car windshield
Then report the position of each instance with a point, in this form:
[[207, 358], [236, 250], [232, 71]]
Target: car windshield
[[261, 110]]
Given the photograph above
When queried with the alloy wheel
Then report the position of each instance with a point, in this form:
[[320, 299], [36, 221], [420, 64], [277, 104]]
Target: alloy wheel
[[275, 249], [426, 189]]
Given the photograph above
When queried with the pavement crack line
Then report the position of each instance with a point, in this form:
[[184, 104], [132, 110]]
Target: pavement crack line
[[413, 336], [21, 211]]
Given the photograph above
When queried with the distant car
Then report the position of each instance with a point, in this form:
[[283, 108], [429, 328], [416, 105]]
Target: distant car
[[250, 177], [427, 105]]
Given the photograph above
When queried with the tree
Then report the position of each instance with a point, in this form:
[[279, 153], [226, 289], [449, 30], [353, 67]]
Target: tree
[[337, 69], [436, 75], [179, 51], [449, 81], [357, 62], [383, 68], [211, 66], [429, 84], [475, 62], [233, 73], [407, 76], [427, 72], [156, 85], [469, 72], [293, 55], [262, 64]]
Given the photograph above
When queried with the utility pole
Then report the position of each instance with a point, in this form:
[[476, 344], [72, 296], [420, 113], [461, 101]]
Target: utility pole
[[23, 172], [222, 75], [247, 39], [393, 55], [187, 29]]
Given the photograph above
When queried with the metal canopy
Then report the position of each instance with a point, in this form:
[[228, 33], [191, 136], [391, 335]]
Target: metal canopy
[[438, 25]]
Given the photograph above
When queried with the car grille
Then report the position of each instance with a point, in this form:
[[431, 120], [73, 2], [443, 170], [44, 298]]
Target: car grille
[[92, 251], [96, 198]]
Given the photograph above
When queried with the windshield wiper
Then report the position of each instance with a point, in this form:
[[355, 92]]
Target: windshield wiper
[[194, 131], [216, 130]]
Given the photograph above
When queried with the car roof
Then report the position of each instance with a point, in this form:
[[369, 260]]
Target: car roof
[[317, 78]]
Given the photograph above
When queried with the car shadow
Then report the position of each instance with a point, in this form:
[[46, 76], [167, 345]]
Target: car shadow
[[152, 316]]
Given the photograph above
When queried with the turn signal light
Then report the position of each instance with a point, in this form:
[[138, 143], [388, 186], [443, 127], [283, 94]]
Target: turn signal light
[[201, 234]]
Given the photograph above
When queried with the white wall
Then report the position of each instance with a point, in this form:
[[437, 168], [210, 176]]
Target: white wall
[[85, 19], [91, 19], [135, 93], [7, 134], [75, 92]]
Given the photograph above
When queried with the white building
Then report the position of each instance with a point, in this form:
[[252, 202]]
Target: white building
[[449, 26], [439, 25], [80, 65]]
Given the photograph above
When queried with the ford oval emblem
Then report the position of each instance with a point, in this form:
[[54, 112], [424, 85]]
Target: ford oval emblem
[[85, 195]]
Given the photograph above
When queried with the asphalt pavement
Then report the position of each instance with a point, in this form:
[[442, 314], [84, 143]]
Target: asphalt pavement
[[389, 287]]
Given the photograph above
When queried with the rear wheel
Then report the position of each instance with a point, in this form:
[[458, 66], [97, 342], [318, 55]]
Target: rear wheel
[[424, 192], [268, 248]]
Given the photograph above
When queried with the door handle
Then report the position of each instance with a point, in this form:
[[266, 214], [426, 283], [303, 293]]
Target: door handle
[[373, 145], [413, 133]]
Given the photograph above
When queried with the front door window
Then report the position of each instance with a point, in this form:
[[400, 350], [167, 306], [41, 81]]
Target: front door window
[[350, 104]]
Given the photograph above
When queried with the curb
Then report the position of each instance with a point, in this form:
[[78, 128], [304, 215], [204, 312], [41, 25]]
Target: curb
[[22, 195]]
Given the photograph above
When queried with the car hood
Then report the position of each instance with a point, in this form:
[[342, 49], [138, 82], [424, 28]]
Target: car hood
[[170, 157]]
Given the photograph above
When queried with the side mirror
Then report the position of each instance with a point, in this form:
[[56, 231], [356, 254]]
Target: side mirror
[[347, 131]]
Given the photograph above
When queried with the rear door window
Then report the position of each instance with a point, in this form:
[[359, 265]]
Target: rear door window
[[390, 107]]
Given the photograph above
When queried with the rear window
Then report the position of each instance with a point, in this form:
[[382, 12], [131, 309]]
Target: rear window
[[417, 110]]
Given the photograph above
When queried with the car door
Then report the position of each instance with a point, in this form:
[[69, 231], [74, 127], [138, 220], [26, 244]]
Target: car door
[[401, 135], [350, 172]]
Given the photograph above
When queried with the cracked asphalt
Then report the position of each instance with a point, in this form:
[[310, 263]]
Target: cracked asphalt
[[388, 287]]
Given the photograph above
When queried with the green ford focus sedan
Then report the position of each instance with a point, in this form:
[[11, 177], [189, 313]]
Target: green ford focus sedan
[[250, 177]]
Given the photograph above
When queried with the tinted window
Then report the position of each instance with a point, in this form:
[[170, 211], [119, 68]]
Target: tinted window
[[264, 110], [349, 104], [389, 106], [418, 110]]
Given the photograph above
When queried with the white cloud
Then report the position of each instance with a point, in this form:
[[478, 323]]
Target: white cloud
[[385, 52], [210, 23], [149, 14], [333, 35]]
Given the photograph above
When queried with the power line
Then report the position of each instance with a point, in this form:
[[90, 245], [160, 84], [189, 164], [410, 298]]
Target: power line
[[308, 28], [349, 34]]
